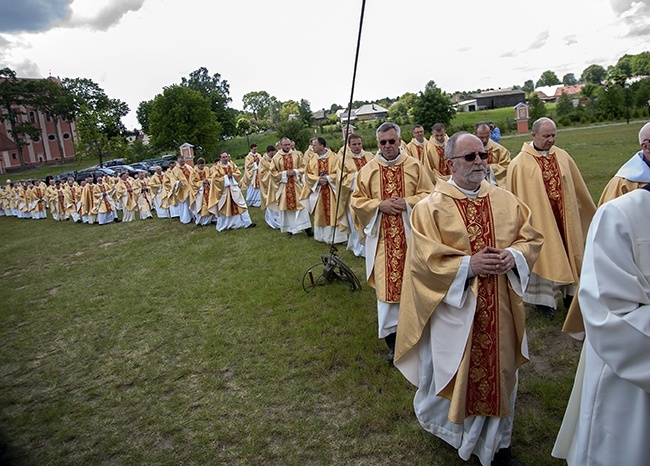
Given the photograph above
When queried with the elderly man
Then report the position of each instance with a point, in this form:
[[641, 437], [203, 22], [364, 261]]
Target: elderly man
[[158, 193], [634, 174], [251, 181], [287, 171], [355, 159], [461, 333], [320, 194], [387, 189], [226, 200], [436, 148], [607, 419], [182, 191], [547, 179], [498, 156]]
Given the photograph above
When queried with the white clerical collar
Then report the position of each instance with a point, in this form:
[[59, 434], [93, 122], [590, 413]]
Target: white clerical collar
[[467, 192], [389, 162], [418, 142], [320, 156]]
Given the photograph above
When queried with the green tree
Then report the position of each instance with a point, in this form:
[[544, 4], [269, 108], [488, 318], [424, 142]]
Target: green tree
[[290, 107], [432, 106], [217, 91], [259, 104], [243, 126], [548, 78], [641, 92], [569, 79], [536, 108], [305, 113], [612, 101], [294, 130], [641, 64], [564, 106], [594, 74], [142, 114], [14, 94], [528, 87], [181, 114], [590, 90]]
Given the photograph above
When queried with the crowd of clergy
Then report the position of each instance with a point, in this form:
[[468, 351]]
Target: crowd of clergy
[[456, 236]]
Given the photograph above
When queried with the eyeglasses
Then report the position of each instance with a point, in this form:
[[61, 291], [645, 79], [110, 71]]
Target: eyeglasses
[[383, 142], [471, 157]]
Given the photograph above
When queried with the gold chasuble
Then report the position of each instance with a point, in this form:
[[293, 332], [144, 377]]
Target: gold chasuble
[[437, 158], [324, 211], [227, 205], [287, 194], [483, 388], [488, 329], [498, 160], [562, 207], [618, 186], [377, 181]]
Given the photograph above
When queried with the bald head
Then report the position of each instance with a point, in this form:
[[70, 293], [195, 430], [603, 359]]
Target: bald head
[[644, 134]]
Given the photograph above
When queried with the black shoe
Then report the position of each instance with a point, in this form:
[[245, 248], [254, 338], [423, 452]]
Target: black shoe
[[567, 301], [117, 220], [289, 234], [310, 232], [252, 225], [390, 342], [546, 311], [504, 457]]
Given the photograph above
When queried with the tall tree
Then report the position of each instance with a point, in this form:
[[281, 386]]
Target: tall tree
[[594, 74], [564, 106], [14, 93], [258, 103], [529, 86], [181, 114], [305, 113], [142, 114], [217, 91], [641, 64], [290, 107], [432, 106], [569, 79], [537, 108], [548, 78]]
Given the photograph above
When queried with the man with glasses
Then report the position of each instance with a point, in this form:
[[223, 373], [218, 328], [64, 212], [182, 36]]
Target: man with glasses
[[461, 334], [387, 189], [547, 179]]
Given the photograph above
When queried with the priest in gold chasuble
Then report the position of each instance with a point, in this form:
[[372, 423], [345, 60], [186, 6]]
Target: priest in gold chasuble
[[461, 334], [387, 189], [547, 179]]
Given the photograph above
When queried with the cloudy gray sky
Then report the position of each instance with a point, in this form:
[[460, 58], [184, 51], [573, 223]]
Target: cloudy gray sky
[[297, 49]]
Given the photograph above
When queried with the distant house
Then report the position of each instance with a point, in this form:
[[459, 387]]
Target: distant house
[[54, 144], [553, 93], [365, 112], [469, 105], [321, 117], [371, 112], [500, 98]]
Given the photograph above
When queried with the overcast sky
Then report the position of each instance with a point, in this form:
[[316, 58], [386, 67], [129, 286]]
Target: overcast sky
[[296, 49]]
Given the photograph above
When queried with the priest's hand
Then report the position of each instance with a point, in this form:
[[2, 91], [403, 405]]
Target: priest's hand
[[393, 206], [492, 261]]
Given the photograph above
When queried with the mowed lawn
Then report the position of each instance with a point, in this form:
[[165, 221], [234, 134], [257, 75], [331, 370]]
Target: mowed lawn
[[160, 343]]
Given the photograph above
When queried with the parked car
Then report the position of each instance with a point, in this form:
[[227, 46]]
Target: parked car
[[94, 172], [119, 169], [64, 176], [140, 166], [114, 162]]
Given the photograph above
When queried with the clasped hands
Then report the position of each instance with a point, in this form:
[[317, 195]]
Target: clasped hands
[[492, 261], [393, 206]]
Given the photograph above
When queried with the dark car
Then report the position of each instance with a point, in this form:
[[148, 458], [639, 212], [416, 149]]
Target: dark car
[[140, 166], [64, 176], [94, 172], [114, 162]]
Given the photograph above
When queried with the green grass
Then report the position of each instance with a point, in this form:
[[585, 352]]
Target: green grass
[[160, 343]]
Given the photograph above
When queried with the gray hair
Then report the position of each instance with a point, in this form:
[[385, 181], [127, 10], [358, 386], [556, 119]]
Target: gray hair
[[644, 133], [387, 126], [538, 124], [450, 148]]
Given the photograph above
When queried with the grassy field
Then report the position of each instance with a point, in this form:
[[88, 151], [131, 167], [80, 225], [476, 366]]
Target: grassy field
[[160, 343]]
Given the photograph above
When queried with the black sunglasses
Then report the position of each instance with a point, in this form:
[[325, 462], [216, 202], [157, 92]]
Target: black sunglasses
[[383, 142], [471, 157]]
